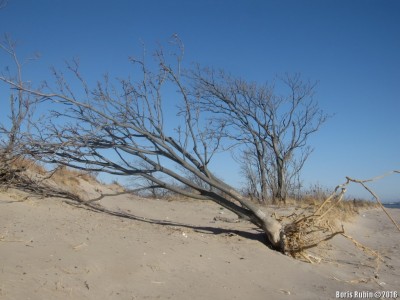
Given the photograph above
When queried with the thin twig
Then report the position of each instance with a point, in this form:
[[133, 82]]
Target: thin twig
[[362, 182]]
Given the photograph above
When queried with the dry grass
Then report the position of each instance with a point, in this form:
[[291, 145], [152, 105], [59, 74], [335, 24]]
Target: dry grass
[[314, 225], [319, 223], [12, 170], [344, 210], [63, 175], [27, 174], [117, 186], [28, 164], [68, 176]]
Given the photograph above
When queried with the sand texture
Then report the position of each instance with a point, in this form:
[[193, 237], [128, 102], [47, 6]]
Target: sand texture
[[50, 249]]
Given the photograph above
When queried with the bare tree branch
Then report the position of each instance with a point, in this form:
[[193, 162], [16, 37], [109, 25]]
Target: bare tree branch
[[15, 130], [274, 126], [120, 127]]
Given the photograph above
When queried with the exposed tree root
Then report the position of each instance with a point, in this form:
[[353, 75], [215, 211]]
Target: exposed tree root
[[308, 230]]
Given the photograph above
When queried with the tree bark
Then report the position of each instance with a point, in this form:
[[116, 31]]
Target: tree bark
[[280, 173], [270, 226], [263, 176]]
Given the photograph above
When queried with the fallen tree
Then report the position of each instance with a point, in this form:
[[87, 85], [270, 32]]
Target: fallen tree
[[121, 128]]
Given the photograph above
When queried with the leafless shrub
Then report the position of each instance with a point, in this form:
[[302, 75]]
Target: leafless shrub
[[15, 131], [273, 126]]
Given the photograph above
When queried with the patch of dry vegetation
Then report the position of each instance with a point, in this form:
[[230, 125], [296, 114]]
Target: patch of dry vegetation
[[24, 164], [32, 177], [13, 170], [344, 210], [68, 176], [62, 174], [314, 225], [319, 223]]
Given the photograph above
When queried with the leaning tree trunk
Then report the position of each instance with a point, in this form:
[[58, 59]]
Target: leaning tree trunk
[[257, 216], [269, 225]]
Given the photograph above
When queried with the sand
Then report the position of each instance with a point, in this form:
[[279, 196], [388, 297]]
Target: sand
[[52, 250]]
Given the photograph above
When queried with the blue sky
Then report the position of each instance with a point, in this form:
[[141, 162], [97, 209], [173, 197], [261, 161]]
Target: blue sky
[[351, 47]]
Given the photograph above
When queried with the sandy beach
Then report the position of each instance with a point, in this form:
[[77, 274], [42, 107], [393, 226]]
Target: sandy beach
[[50, 249]]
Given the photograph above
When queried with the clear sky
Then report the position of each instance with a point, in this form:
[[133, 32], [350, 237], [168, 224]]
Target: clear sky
[[351, 47]]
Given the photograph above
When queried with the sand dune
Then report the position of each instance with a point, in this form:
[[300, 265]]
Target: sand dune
[[52, 250]]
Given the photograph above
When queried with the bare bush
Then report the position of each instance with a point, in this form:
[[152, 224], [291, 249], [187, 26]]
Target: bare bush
[[15, 130], [273, 127]]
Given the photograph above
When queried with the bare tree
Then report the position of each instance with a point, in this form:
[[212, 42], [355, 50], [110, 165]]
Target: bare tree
[[292, 169], [251, 174], [110, 127], [275, 127], [14, 130]]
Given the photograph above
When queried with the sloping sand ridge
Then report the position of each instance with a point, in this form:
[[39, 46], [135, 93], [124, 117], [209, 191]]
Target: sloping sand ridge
[[52, 250]]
